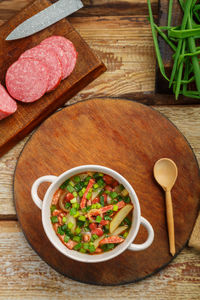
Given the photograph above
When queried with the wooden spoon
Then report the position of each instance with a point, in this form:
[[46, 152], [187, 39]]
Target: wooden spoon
[[165, 173]]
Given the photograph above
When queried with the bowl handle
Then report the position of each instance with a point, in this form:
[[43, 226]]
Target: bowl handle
[[139, 247], [35, 186]]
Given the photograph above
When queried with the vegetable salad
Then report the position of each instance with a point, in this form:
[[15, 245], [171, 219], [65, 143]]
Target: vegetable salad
[[91, 213]]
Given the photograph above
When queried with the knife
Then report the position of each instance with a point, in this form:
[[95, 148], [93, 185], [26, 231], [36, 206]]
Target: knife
[[45, 18]]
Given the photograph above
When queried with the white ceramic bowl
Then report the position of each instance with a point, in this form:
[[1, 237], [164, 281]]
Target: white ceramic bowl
[[46, 203]]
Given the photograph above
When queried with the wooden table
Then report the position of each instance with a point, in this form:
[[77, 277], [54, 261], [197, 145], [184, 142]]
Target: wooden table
[[120, 34]]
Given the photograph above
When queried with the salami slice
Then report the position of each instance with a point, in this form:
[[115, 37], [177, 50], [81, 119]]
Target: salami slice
[[70, 55], [27, 80], [7, 105], [50, 59]]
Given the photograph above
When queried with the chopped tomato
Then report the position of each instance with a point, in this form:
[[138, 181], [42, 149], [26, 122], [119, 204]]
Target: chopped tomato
[[55, 226], [121, 204], [61, 237], [108, 180], [60, 220], [56, 196], [108, 188], [95, 200], [69, 197], [115, 183], [106, 208], [92, 226], [86, 237], [111, 240], [98, 250], [89, 186], [70, 244], [89, 202], [97, 231], [57, 212], [105, 198], [104, 222]]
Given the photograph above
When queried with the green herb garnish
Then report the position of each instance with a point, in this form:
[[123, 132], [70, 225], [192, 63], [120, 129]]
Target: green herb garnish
[[54, 219], [64, 185]]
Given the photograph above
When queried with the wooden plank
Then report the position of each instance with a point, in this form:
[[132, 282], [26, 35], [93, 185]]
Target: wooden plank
[[28, 116], [115, 8], [129, 55], [185, 118], [25, 276], [126, 50], [91, 8]]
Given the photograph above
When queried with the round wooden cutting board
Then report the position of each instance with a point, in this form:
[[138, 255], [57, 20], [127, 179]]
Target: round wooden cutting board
[[128, 137]]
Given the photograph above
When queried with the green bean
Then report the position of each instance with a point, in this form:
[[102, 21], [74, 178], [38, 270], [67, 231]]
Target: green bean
[[169, 19], [182, 56], [186, 57], [165, 27], [181, 34], [188, 81], [158, 55], [164, 36], [195, 11], [180, 72], [195, 62], [194, 4], [182, 4], [183, 25], [197, 16], [191, 94], [194, 25], [186, 75]]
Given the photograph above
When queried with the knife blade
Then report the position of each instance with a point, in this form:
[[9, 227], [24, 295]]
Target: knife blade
[[45, 18]]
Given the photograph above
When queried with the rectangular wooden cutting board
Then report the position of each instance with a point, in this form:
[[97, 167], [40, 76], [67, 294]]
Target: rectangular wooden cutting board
[[166, 53], [28, 116]]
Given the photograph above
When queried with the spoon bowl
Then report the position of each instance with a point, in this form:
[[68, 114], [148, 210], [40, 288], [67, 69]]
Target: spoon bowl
[[165, 172]]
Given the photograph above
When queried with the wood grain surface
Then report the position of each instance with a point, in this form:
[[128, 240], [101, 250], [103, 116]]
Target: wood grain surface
[[28, 116], [127, 137], [195, 236], [34, 279], [23, 274]]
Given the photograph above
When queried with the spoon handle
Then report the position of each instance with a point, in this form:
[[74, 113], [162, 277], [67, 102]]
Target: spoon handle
[[170, 222]]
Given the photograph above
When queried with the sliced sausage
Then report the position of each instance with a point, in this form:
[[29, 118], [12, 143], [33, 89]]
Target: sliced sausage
[[27, 80], [69, 57], [50, 59], [7, 105]]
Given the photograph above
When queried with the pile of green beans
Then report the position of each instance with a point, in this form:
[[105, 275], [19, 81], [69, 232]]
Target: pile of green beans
[[183, 40]]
